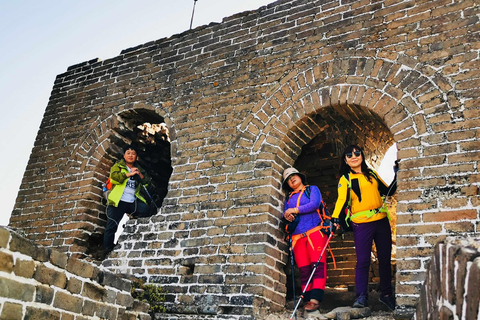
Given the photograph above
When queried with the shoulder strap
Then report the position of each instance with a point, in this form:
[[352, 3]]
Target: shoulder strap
[[374, 174], [307, 191], [325, 213], [349, 189], [299, 197], [349, 183]]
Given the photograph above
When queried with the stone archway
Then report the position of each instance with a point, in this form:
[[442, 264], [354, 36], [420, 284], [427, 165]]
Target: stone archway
[[319, 158], [394, 92], [90, 162], [319, 161]]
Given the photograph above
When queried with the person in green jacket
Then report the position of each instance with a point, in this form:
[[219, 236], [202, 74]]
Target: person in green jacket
[[126, 177]]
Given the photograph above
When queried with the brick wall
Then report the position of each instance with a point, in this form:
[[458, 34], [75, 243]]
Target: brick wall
[[242, 98], [451, 287], [40, 283]]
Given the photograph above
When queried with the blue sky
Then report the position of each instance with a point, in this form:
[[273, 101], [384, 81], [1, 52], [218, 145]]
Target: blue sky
[[41, 39]]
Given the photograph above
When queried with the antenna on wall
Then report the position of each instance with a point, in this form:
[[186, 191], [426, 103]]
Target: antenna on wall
[[193, 12]]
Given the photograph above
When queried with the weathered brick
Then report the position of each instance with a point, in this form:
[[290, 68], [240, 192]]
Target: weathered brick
[[24, 268], [124, 299], [109, 279], [6, 262], [68, 316], [419, 229], [22, 245], [4, 237], [67, 302], [74, 285], [452, 215], [472, 296], [12, 311], [460, 227], [44, 294], [449, 170], [94, 291], [33, 313], [58, 259], [80, 268], [106, 312], [50, 276], [16, 290]]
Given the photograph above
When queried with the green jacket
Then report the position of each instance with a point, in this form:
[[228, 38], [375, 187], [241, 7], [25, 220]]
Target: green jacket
[[118, 177]]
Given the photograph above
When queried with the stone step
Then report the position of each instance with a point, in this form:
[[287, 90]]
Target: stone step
[[342, 243], [335, 280], [342, 251], [341, 265], [338, 272]]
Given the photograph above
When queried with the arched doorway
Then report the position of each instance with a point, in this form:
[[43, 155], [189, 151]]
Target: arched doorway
[[319, 160], [152, 136], [146, 129]]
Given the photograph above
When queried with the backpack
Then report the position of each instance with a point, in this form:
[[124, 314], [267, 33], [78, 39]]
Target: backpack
[[106, 188], [345, 216], [322, 211]]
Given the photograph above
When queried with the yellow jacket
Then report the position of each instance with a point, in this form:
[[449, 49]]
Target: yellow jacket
[[364, 196]]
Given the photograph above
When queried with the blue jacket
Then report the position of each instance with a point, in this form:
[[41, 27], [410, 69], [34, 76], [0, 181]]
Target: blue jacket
[[307, 209]]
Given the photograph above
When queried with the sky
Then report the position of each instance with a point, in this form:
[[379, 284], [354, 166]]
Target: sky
[[41, 39]]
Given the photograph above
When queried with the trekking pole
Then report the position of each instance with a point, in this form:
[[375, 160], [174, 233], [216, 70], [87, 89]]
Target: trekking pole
[[293, 272], [139, 180], [311, 275], [151, 199]]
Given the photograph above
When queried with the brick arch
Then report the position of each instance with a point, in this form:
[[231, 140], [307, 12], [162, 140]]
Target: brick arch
[[93, 141], [94, 144], [285, 121], [398, 92], [89, 165]]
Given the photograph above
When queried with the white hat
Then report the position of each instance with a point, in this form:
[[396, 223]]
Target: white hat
[[287, 173]]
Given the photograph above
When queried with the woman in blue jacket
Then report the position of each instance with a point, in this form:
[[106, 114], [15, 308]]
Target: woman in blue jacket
[[308, 240]]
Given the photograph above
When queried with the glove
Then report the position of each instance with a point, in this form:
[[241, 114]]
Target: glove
[[335, 223]]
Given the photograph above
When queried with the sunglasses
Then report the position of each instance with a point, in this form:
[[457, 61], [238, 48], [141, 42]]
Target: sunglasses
[[350, 154]]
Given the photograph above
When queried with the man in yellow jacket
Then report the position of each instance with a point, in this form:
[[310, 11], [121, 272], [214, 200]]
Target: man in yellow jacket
[[126, 177]]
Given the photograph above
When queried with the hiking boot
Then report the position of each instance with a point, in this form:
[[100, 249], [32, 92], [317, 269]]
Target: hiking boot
[[311, 306], [361, 302], [389, 301]]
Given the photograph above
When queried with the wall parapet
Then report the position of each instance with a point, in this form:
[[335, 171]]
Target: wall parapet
[[41, 283], [451, 286]]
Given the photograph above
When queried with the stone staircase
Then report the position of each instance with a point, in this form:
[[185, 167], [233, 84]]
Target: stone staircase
[[344, 254]]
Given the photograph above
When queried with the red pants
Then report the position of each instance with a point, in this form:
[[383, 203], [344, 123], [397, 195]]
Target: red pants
[[306, 251]]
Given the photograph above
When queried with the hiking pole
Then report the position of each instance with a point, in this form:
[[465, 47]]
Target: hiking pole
[[151, 199], [311, 275], [139, 180], [293, 272]]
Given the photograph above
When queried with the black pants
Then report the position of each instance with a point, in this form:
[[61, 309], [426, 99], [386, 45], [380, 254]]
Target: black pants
[[115, 215]]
